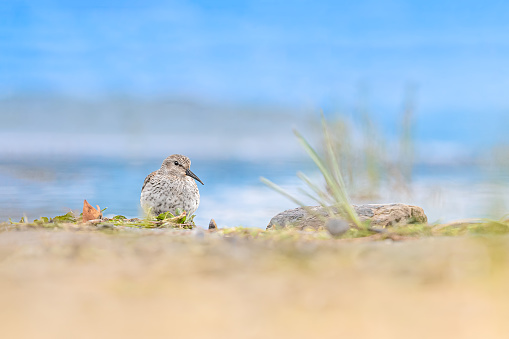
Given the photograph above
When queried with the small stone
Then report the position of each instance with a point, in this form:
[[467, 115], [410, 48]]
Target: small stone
[[337, 227], [106, 226], [212, 225]]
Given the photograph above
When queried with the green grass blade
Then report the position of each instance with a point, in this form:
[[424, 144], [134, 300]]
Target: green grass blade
[[333, 159], [340, 195], [338, 186], [323, 195], [281, 191]]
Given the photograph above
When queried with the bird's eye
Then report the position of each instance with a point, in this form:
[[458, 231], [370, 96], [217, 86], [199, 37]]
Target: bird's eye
[[176, 163]]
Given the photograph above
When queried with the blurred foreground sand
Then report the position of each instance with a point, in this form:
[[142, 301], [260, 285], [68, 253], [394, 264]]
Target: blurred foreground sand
[[84, 284]]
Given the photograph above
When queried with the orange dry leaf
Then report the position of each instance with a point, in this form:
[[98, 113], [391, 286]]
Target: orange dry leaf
[[90, 213]]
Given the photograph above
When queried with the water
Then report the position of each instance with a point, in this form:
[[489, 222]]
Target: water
[[232, 194]]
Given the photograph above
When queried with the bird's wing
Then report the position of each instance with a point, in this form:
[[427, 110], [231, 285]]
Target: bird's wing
[[147, 179]]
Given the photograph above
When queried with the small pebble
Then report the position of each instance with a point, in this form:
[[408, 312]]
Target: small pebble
[[212, 225], [106, 226], [337, 227]]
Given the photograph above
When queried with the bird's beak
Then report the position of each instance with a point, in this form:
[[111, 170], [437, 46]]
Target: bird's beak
[[192, 175]]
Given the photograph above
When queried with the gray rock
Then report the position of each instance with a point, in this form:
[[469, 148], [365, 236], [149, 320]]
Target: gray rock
[[381, 215]]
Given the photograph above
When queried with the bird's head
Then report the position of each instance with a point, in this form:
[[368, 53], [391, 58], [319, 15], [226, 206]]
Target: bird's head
[[178, 165]]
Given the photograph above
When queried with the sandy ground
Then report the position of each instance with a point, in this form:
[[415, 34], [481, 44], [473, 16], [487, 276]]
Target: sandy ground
[[174, 284]]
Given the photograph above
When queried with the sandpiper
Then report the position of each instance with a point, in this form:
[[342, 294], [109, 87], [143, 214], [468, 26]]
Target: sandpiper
[[171, 187]]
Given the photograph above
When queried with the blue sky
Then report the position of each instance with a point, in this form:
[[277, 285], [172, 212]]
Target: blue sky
[[296, 53]]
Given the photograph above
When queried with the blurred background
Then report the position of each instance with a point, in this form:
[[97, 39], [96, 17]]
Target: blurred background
[[95, 94]]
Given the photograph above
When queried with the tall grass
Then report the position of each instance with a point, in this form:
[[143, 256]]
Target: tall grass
[[358, 159], [334, 198], [406, 145], [371, 161]]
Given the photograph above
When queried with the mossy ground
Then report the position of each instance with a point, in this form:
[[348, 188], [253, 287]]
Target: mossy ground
[[124, 278]]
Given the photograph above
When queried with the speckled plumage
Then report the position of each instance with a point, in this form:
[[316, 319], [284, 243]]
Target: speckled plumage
[[171, 187]]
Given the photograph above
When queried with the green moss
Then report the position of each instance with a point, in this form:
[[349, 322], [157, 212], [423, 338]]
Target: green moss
[[68, 217]]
